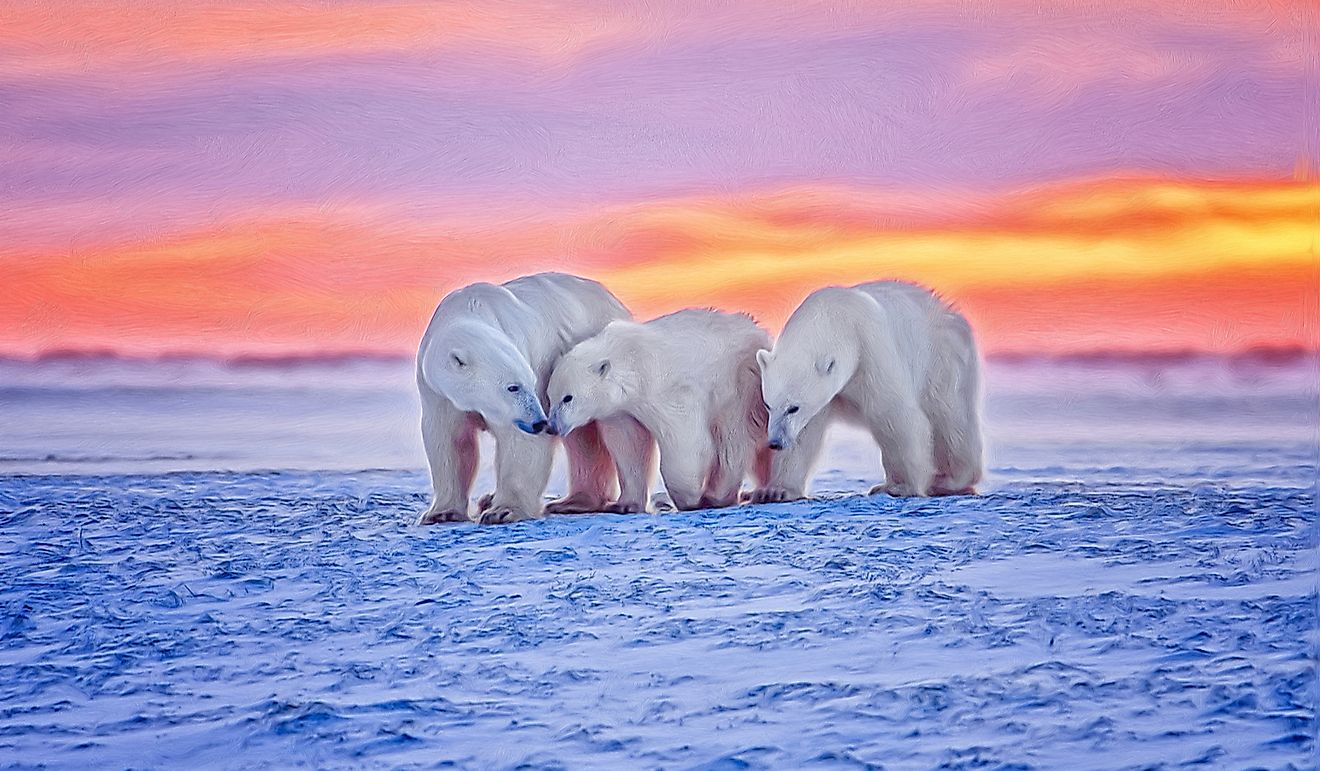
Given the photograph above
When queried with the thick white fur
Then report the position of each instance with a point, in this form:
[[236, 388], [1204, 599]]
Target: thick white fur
[[690, 378], [892, 357], [484, 338]]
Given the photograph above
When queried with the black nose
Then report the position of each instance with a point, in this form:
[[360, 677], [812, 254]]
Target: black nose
[[776, 445], [551, 430], [538, 426]]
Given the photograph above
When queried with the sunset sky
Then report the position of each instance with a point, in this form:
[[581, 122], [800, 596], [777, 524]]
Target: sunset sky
[[275, 178]]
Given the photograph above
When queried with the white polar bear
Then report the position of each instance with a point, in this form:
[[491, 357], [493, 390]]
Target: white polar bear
[[888, 355], [483, 363], [690, 378]]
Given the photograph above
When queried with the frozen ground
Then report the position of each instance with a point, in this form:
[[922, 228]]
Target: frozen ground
[[1138, 588]]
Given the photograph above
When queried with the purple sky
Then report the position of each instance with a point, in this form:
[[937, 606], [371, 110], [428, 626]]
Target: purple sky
[[932, 95]]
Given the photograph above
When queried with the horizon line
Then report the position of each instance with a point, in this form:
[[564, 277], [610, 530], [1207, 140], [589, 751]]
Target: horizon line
[[1263, 353]]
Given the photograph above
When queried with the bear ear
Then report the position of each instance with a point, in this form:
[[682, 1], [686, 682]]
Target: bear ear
[[602, 367], [762, 358], [458, 358], [825, 366]]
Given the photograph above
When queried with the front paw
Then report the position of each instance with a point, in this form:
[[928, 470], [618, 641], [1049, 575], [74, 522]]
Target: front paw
[[625, 507], [662, 503], [897, 490], [434, 517], [773, 495], [711, 502], [576, 504], [503, 515]]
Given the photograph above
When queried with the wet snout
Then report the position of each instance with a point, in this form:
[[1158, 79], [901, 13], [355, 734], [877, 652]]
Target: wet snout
[[557, 425], [534, 420]]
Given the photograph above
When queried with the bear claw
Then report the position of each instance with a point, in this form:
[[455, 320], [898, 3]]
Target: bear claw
[[503, 516], [897, 490], [575, 505], [620, 507], [771, 495], [436, 517]]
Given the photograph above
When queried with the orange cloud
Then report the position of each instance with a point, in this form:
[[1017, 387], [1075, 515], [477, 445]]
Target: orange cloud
[[1129, 230], [1143, 264]]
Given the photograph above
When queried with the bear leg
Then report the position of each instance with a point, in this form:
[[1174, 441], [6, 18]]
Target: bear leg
[[633, 450], [590, 473], [956, 428], [685, 461], [735, 452], [958, 457], [790, 468], [906, 452], [450, 439], [522, 469]]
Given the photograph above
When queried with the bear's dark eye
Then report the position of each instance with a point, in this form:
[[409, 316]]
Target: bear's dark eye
[[791, 410], [568, 398], [513, 389]]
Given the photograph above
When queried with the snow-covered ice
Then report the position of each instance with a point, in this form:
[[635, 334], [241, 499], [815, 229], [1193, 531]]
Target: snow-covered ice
[[1136, 588]]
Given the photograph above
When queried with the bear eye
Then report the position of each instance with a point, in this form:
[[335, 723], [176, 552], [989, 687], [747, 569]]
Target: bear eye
[[513, 389], [568, 398], [791, 410]]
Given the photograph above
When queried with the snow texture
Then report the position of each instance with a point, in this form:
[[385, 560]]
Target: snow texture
[[1110, 602]]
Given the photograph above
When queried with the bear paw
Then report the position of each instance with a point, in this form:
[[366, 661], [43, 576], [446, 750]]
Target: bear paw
[[939, 490], [433, 517], [661, 502], [896, 489], [503, 515], [624, 507], [576, 504], [772, 495], [711, 502]]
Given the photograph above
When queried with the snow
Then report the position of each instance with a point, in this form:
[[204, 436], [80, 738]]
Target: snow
[[1136, 588]]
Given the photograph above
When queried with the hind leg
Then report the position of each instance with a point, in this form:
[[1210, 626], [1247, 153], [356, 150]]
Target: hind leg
[[686, 456], [954, 406], [959, 464], [590, 473], [735, 451], [907, 450], [633, 450]]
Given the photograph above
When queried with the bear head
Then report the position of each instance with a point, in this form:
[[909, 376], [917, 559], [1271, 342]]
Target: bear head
[[796, 384], [586, 385], [480, 370]]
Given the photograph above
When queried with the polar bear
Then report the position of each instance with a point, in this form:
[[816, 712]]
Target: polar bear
[[483, 364], [891, 356], [690, 378]]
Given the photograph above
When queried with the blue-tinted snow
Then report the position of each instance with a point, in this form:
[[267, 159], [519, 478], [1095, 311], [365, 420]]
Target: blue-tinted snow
[[1137, 588]]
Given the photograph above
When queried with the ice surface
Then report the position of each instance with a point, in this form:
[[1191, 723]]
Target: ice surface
[[1138, 588]]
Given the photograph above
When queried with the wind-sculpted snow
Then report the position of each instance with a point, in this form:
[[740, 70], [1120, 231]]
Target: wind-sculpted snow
[[1076, 616]]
